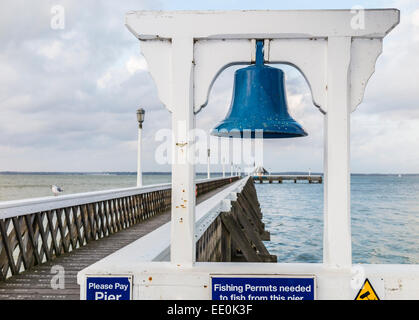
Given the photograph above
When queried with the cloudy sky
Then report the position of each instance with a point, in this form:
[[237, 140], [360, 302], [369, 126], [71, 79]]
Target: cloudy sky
[[68, 96]]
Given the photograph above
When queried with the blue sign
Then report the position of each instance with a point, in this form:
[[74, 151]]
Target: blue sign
[[108, 288], [263, 288]]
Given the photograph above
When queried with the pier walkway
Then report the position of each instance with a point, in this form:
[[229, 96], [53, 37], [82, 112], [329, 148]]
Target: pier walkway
[[35, 283], [295, 178]]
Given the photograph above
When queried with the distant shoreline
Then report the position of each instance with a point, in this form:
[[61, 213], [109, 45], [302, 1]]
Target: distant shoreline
[[122, 173]]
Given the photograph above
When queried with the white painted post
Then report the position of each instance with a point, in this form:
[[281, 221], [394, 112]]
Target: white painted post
[[182, 251], [140, 119], [231, 169], [208, 164], [224, 169], [139, 169], [337, 224]]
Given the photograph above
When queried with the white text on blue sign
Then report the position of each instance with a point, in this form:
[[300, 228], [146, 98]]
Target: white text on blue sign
[[262, 288], [108, 288]]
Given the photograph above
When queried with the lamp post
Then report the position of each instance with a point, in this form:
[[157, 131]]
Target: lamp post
[[224, 169], [208, 164], [140, 119]]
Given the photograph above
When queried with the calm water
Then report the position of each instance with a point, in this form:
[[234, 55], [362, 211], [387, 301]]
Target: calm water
[[384, 215], [22, 186], [385, 212]]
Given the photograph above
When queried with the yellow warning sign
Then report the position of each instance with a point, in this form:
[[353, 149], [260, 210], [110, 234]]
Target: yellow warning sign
[[367, 292]]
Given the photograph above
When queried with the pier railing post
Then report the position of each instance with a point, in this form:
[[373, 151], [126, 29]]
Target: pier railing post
[[183, 170], [337, 224]]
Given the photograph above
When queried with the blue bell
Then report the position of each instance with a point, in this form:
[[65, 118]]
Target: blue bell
[[259, 103]]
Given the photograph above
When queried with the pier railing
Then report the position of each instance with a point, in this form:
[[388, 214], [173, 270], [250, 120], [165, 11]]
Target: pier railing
[[228, 227], [234, 232], [295, 178], [34, 231]]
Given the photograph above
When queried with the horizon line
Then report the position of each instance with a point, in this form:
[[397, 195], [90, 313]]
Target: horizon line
[[169, 172]]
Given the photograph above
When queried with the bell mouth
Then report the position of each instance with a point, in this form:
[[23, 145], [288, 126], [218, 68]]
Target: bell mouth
[[255, 134], [271, 129]]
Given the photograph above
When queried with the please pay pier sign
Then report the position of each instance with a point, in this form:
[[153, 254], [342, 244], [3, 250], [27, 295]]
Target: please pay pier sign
[[109, 288], [263, 288]]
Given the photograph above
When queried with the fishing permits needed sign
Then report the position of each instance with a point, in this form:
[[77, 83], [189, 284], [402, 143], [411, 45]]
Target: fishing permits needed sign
[[263, 287], [108, 288]]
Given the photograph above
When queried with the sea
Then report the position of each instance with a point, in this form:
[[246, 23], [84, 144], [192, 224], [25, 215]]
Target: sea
[[384, 211]]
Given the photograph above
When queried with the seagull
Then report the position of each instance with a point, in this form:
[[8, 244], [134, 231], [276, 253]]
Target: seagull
[[56, 190]]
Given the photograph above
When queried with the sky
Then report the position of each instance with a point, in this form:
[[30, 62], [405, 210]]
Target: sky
[[68, 97]]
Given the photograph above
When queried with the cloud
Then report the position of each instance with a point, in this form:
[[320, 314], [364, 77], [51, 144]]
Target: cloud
[[74, 90], [68, 97]]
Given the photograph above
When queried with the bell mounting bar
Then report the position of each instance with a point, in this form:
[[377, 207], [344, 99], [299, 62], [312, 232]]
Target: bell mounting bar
[[269, 24]]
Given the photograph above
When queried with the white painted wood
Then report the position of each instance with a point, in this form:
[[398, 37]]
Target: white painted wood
[[224, 168], [16, 208], [208, 164], [169, 282], [336, 60], [183, 169], [364, 54], [158, 55], [337, 224], [231, 34], [208, 65], [262, 24], [139, 154]]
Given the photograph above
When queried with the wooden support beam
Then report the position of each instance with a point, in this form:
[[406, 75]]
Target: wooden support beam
[[240, 238]]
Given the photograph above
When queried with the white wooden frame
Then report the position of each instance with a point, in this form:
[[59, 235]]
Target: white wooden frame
[[185, 52]]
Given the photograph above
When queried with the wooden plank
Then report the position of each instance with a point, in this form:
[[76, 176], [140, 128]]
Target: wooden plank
[[91, 215], [250, 232], [108, 216], [250, 214], [33, 240], [125, 209], [90, 221], [53, 234], [70, 227], [7, 248], [65, 239], [16, 225], [239, 238], [135, 209], [85, 223], [101, 219], [78, 225], [47, 252], [116, 213]]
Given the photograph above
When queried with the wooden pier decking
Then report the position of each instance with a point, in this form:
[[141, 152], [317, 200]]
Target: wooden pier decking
[[281, 178], [35, 284]]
